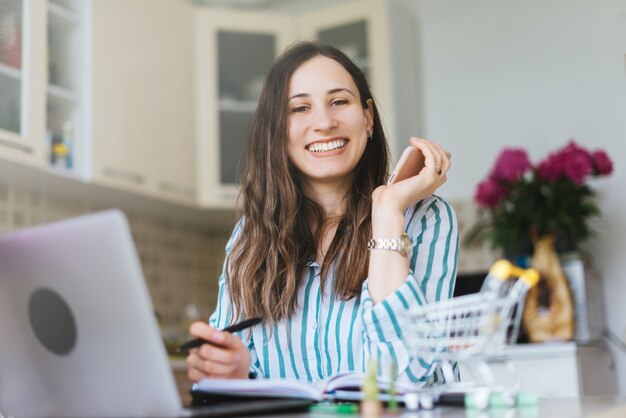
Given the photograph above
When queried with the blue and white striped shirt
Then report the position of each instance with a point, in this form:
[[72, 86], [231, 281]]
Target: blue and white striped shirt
[[327, 336]]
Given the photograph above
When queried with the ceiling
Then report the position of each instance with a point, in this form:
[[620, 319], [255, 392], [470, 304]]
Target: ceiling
[[246, 4]]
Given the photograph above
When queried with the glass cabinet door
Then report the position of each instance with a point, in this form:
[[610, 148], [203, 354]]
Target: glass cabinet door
[[234, 51], [351, 39], [65, 71], [244, 60], [11, 75]]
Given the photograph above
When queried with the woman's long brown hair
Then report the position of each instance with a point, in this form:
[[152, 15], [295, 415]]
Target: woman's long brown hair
[[282, 227]]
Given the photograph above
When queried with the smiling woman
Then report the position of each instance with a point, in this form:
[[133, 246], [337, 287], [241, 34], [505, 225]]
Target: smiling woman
[[329, 256], [328, 126]]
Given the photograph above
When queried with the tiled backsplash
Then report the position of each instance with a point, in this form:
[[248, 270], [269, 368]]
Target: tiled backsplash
[[181, 262], [181, 265]]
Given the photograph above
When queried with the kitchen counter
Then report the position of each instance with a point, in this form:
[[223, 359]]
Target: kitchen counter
[[562, 369], [587, 407]]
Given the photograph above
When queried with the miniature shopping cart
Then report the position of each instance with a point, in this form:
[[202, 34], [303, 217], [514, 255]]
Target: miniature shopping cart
[[472, 330]]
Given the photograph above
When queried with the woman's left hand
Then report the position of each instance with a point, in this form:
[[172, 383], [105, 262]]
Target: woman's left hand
[[397, 197]]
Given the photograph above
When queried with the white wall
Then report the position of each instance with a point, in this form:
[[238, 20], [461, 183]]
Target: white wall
[[495, 73]]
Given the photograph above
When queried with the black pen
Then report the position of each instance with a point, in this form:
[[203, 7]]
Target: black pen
[[197, 342]]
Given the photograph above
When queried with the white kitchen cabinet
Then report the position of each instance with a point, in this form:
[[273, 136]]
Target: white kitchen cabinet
[[42, 70], [234, 50], [22, 80], [142, 97]]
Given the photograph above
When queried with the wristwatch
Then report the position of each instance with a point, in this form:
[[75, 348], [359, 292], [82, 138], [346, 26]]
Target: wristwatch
[[402, 245]]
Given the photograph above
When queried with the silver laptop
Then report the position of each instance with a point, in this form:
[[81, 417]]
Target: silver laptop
[[78, 336]]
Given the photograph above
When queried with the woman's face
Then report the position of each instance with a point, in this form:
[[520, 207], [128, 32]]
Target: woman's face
[[328, 127]]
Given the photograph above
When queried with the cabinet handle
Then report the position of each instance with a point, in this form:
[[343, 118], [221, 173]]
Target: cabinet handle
[[166, 186], [124, 175], [228, 195], [20, 147]]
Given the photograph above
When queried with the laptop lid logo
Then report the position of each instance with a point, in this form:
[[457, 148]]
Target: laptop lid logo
[[52, 321]]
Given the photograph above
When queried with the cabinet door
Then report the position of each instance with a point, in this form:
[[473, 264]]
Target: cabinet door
[[360, 30], [125, 88], [22, 52], [142, 119], [67, 43], [174, 145], [234, 52]]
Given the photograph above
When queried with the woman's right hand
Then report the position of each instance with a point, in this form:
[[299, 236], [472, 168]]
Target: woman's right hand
[[229, 358]]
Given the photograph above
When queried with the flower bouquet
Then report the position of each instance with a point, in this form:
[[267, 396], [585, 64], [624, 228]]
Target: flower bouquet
[[523, 202]]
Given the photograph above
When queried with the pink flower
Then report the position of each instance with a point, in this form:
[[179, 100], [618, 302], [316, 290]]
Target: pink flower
[[578, 167], [602, 163], [551, 168], [572, 162], [511, 165], [489, 193], [577, 164]]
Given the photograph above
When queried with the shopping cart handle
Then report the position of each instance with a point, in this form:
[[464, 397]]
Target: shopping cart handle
[[530, 277], [504, 270], [501, 270]]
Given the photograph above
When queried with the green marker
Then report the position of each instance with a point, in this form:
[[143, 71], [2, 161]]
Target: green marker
[[335, 408]]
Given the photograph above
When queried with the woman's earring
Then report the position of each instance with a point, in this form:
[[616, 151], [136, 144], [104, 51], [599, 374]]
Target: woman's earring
[[369, 135]]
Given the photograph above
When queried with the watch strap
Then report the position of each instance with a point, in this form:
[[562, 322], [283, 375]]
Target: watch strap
[[401, 244]]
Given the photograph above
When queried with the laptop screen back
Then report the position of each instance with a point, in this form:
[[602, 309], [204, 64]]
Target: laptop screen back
[[77, 330]]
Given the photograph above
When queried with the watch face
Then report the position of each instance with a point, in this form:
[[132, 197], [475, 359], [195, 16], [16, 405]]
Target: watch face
[[405, 244]]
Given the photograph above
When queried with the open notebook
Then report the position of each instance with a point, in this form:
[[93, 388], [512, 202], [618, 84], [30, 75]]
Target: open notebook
[[344, 386]]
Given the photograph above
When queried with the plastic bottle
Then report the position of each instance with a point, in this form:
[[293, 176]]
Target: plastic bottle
[[60, 152]]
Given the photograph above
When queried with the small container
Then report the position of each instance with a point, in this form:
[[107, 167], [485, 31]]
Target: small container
[[59, 154]]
